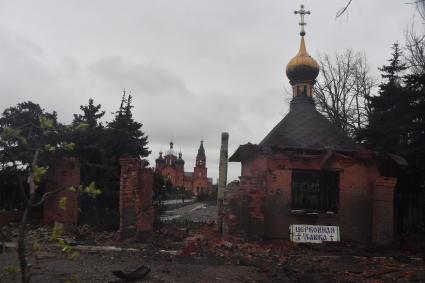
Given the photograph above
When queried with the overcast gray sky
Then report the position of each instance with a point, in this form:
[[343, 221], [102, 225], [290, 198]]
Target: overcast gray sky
[[195, 67]]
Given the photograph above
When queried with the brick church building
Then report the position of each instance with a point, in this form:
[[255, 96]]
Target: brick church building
[[306, 171], [171, 167]]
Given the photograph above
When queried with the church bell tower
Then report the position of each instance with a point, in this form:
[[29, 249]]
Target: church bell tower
[[200, 170]]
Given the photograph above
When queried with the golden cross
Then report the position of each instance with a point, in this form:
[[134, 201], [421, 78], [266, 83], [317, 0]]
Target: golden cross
[[302, 13]]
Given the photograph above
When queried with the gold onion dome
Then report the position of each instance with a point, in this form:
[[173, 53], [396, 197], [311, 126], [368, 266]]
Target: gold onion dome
[[302, 68]]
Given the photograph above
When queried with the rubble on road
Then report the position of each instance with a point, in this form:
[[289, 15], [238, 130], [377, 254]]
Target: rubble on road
[[306, 262], [276, 260]]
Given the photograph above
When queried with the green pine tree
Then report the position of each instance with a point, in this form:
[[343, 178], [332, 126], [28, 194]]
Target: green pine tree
[[415, 85], [126, 133], [90, 117], [390, 118], [94, 151]]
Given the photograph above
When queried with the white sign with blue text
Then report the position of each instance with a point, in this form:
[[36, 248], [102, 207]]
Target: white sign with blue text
[[313, 233]]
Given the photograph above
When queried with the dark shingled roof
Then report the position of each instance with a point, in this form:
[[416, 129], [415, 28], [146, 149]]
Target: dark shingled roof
[[245, 151], [302, 128], [305, 128]]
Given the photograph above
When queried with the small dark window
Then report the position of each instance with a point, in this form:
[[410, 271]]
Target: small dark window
[[315, 190]]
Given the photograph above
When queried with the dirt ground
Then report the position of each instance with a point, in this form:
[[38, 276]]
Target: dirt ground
[[199, 254], [188, 249], [97, 267]]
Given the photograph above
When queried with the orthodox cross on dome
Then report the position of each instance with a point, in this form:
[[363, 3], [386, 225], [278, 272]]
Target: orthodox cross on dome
[[302, 13]]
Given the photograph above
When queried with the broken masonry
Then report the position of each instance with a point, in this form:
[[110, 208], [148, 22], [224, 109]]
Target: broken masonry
[[136, 189]]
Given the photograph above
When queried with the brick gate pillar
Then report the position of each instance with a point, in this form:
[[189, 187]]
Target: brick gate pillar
[[136, 209], [64, 174], [383, 211]]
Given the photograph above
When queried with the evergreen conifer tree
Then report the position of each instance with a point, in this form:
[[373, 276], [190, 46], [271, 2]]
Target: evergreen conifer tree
[[390, 118], [94, 151], [415, 85], [126, 133], [91, 115], [99, 150], [397, 125]]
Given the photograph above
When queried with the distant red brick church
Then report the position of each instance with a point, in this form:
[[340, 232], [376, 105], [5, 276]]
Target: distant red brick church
[[172, 168]]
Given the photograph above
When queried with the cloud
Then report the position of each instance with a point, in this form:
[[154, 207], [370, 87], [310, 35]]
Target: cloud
[[29, 73], [146, 79], [195, 68]]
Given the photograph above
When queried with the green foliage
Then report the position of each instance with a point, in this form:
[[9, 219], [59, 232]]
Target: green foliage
[[90, 118], [69, 146], [46, 123], [99, 149], [390, 116], [397, 125], [63, 202], [82, 126], [39, 173], [57, 231], [126, 133], [49, 148], [94, 150], [26, 127], [31, 139], [72, 189], [56, 237], [92, 191], [13, 134]]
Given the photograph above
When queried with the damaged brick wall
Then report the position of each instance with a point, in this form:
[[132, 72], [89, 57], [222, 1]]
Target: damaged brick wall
[[232, 200], [136, 188], [243, 206], [261, 202], [62, 175]]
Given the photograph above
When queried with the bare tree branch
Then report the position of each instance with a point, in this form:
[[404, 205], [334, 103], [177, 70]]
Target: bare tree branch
[[48, 195], [342, 10], [415, 55], [342, 89], [420, 7]]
